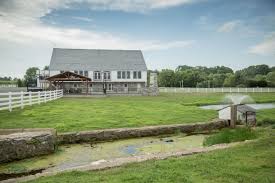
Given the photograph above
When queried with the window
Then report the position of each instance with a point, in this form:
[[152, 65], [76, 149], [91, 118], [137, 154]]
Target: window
[[81, 73], [139, 74], [62, 72], [91, 85], [135, 74], [86, 73], [107, 75], [118, 74], [110, 87], [128, 75], [76, 72], [97, 75], [125, 85], [123, 74]]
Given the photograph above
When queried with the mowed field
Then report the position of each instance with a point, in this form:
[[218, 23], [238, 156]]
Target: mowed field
[[75, 114]]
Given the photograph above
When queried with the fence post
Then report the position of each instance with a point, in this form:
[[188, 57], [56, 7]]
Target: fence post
[[253, 90], [38, 97], [268, 90], [10, 102], [22, 99], [30, 97], [45, 96]]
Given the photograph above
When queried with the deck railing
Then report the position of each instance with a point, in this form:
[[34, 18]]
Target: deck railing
[[215, 90], [11, 100]]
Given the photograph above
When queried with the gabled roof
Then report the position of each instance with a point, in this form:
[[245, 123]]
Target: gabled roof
[[97, 60], [242, 108], [68, 76]]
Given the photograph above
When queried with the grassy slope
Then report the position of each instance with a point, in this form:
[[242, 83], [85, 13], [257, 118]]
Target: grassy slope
[[76, 114], [253, 162]]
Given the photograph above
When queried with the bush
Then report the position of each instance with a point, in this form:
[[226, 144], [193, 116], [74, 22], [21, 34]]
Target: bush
[[230, 135], [266, 122]]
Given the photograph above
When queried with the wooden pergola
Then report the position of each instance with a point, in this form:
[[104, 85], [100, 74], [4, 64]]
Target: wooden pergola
[[59, 79]]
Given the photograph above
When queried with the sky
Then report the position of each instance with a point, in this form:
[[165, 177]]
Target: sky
[[235, 33]]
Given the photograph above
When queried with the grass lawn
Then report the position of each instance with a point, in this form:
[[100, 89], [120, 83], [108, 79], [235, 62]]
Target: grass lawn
[[252, 162], [75, 114]]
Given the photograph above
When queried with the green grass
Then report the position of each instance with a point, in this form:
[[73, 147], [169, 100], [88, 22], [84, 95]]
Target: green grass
[[230, 135], [75, 114], [252, 162]]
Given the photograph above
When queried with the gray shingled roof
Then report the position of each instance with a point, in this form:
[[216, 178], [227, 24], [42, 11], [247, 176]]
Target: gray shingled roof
[[242, 108], [93, 60], [245, 108]]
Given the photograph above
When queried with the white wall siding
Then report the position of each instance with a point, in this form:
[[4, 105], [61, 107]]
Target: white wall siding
[[225, 113]]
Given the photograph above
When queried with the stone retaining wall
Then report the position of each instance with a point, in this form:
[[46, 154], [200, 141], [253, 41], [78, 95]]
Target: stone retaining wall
[[16, 146], [123, 133]]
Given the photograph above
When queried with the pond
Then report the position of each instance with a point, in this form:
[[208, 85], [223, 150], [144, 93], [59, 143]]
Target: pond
[[255, 106], [69, 156]]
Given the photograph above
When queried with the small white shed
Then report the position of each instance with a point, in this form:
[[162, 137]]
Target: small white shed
[[245, 114]]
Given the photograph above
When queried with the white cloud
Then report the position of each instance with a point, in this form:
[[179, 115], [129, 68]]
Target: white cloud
[[85, 19], [26, 41], [229, 26], [266, 47]]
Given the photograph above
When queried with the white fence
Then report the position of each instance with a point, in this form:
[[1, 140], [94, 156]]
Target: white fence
[[11, 100], [215, 90]]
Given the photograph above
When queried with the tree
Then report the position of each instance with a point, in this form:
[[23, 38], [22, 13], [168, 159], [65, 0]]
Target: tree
[[167, 78], [229, 81], [30, 76], [46, 67], [270, 78]]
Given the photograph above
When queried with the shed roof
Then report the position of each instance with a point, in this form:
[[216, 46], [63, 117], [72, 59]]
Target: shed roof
[[242, 108], [94, 59], [68, 76]]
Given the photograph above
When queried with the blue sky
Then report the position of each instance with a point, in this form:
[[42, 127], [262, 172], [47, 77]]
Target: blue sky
[[176, 32]]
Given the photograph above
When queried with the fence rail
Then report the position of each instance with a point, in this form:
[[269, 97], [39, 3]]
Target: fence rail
[[11, 100], [215, 90]]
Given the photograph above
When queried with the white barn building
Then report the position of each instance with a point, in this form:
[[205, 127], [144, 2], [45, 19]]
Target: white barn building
[[113, 71]]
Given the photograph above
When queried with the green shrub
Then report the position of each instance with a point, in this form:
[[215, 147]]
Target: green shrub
[[230, 135], [266, 122]]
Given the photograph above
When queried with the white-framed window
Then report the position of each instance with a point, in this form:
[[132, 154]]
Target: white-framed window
[[81, 73], [97, 75], [86, 73], [118, 74], [107, 75], [123, 75], [128, 75], [135, 75], [110, 87], [139, 74]]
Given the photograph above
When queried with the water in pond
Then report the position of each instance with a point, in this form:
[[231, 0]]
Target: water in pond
[[69, 156], [255, 106]]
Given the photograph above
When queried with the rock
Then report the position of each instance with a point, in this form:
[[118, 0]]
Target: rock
[[169, 140], [18, 146], [124, 133]]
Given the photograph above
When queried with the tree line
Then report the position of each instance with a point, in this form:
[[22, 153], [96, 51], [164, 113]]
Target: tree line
[[188, 76], [219, 76]]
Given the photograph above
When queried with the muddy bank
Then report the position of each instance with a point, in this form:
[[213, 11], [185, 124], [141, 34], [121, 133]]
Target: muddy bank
[[125, 133]]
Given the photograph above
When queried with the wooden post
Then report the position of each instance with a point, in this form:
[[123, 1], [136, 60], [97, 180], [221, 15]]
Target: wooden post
[[30, 97], [38, 94], [233, 117], [22, 99], [45, 96], [10, 102]]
